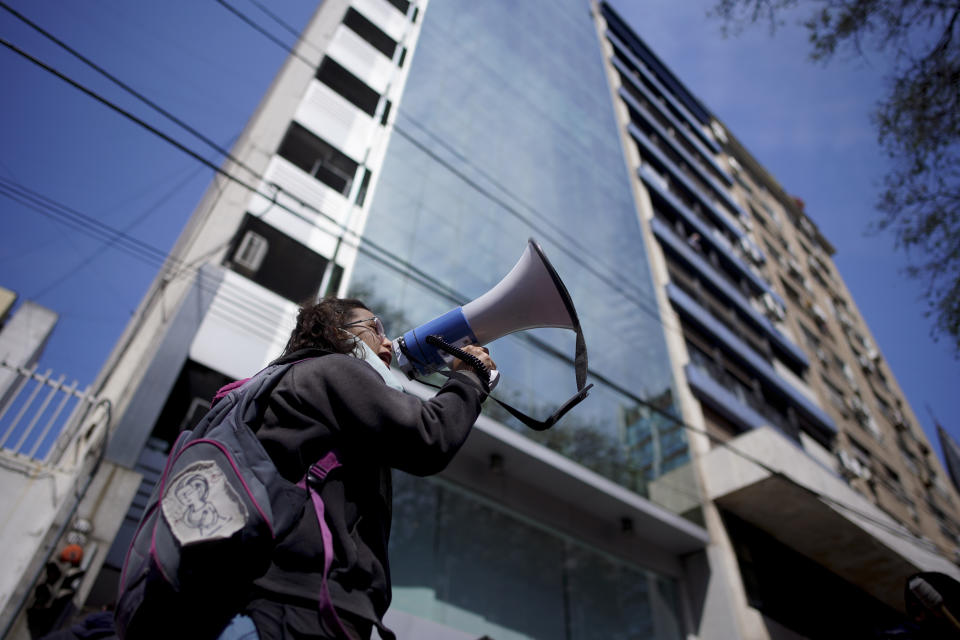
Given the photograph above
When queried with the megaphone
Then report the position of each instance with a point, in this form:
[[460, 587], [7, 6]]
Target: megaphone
[[530, 296]]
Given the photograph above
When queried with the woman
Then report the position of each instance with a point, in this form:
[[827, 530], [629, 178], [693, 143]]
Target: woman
[[339, 397]]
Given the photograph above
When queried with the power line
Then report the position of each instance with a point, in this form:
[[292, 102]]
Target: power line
[[130, 90], [74, 269], [296, 33], [434, 284], [612, 282], [264, 333], [146, 253], [263, 31], [430, 282]]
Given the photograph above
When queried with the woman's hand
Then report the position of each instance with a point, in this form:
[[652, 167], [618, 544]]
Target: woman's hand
[[482, 353]]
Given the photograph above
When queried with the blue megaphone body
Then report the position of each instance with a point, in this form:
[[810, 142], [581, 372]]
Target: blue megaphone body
[[530, 296]]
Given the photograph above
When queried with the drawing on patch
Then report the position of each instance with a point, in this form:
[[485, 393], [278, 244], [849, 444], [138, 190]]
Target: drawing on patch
[[192, 493], [201, 505]]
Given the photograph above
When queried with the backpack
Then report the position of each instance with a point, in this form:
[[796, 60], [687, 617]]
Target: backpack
[[211, 525]]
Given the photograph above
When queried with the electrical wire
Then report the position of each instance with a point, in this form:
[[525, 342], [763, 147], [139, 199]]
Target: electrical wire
[[431, 283], [93, 255], [130, 90], [298, 34], [357, 240], [263, 31], [242, 305], [612, 282]]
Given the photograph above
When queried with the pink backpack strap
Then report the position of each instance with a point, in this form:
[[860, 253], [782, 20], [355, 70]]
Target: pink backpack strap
[[312, 481], [227, 388]]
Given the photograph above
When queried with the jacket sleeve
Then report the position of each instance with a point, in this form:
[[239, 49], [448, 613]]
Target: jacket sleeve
[[417, 436]]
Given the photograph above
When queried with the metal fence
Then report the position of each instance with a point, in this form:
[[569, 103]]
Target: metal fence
[[39, 414]]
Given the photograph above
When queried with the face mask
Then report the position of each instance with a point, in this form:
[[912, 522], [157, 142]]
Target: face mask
[[370, 357]]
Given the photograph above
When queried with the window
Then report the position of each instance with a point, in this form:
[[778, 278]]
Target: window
[[252, 251], [791, 292], [809, 337], [758, 217], [281, 264], [386, 113], [910, 459], [773, 252], [364, 185], [861, 452], [835, 394], [348, 85], [320, 159], [445, 565], [402, 5], [892, 480], [742, 183], [370, 32]]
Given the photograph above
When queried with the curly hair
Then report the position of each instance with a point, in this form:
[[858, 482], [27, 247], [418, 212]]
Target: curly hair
[[319, 326]]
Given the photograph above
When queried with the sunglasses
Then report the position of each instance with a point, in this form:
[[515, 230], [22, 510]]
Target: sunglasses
[[377, 327]]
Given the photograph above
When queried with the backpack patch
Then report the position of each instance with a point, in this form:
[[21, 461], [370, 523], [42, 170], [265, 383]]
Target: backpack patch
[[200, 505]]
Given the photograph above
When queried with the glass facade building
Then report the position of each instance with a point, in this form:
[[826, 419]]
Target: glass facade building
[[407, 155], [503, 134]]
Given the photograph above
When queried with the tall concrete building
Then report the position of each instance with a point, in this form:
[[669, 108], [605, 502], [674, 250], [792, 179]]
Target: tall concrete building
[[745, 458]]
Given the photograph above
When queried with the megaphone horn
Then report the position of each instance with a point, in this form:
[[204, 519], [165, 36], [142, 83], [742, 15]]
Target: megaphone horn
[[530, 296]]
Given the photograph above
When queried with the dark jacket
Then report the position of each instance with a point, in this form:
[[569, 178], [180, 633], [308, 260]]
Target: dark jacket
[[337, 401]]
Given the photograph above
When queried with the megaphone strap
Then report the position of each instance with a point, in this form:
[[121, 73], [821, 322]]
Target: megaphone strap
[[580, 362]]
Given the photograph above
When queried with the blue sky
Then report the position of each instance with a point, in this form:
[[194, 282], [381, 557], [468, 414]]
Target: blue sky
[[807, 123]]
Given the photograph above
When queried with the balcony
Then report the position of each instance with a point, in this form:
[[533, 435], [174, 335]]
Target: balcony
[[812, 510], [674, 103], [733, 345], [680, 249], [717, 388], [652, 153], [653, 181], [692, 162]]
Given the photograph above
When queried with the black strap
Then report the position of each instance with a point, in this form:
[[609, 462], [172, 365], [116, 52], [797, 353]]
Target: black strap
[[580, 365]]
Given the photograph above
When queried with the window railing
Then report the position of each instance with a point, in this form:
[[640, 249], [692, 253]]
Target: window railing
[[40, 415], [744, 394]]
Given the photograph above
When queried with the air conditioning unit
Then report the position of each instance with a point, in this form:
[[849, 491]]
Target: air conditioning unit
[[844, 319], [866, 363], [822, 356], [859, 409], [848, 372], [900, 420], [718, 131], [774, 309], [251, 252], [852, 466], [820, 315], [751, 250], [794, 268]]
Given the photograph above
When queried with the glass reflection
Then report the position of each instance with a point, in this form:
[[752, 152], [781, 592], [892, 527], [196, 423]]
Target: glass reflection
[[502, 135], [529, 584]]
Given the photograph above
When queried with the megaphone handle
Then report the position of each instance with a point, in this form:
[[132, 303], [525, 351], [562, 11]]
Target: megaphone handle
[[481, 369]]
